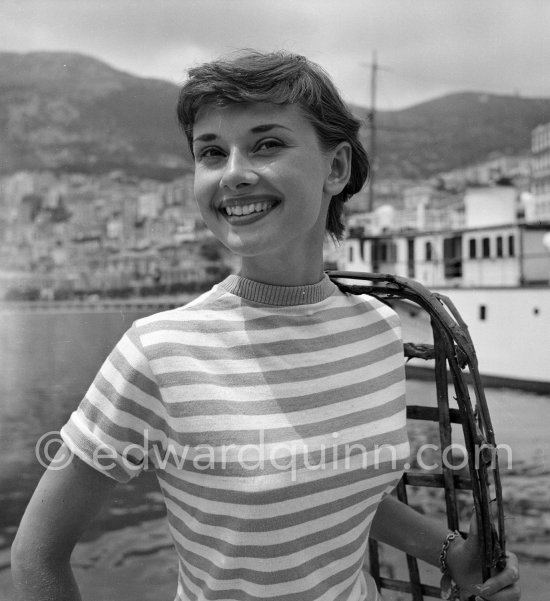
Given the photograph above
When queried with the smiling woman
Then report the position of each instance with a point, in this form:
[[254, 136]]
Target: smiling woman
[[261, 405], [263, 186], [283, 80]]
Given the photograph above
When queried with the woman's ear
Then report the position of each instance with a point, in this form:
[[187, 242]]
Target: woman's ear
[[340, 169]]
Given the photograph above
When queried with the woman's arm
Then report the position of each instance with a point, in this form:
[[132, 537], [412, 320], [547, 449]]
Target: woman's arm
[[64, 503], [400, 526]]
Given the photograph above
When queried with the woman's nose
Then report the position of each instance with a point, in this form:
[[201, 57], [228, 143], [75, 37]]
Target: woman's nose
[[238, 172]]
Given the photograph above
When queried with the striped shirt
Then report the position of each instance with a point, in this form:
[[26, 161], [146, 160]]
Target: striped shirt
[[275, 420]]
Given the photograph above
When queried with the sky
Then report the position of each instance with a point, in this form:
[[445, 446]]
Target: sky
[[424, 48]]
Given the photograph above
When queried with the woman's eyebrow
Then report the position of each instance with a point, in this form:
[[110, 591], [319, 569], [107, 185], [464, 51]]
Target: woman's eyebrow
[[205, 138], [258, 129]]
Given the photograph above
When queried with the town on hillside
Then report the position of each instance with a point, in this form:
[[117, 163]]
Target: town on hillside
[[75, 236]]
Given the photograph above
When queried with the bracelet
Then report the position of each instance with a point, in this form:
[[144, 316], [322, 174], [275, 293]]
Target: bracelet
[[449, 590], [443, 555]]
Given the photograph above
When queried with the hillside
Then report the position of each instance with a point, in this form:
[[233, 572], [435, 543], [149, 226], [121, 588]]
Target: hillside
[[71, 112], [66, 111], [454, 131]]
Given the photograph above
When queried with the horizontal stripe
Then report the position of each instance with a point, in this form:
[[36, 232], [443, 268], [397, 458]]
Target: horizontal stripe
[[267, 329], [278, 543], [336, 412], [240, 405], [319, 338], [282, 390], [280, 485], [269, 451], [267, 363], [226, 509], [221, 566], [296, 521]]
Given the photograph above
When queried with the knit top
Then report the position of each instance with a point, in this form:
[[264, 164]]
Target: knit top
[[274, 417]]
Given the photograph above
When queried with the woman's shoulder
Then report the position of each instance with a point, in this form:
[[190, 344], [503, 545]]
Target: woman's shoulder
[[367, 302], [192, 310]]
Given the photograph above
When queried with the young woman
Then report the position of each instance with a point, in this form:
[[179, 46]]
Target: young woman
[[272, 407]]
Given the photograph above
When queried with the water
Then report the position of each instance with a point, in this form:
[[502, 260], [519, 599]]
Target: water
[[48, 360]]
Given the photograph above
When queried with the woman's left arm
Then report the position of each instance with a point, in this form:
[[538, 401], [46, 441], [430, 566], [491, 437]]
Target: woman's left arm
[[400, 526]]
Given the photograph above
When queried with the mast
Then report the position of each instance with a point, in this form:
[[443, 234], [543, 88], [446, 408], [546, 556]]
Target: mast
[[372, 124]]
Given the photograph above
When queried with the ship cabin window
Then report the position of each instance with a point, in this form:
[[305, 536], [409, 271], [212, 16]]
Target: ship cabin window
[[410, 258], [428, 251], [388, 252], [511, 246], [500, 251], [383, 251], [482, 312], [473, 248], [486, 247], [350, 254], [452, 257]]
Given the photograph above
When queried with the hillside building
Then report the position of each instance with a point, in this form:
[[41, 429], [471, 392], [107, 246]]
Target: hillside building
[[539, 208], [486, 173], [74, 233]]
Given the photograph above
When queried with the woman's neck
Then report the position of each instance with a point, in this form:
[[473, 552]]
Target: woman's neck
[[281, 272]]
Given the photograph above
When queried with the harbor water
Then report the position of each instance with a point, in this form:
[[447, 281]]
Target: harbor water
[[48, 359]]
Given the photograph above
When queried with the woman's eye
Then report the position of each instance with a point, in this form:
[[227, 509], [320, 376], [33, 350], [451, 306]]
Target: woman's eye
[[209, 153], [268, 144]]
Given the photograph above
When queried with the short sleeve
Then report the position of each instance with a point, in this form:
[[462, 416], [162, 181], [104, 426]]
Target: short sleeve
[[121, 417]]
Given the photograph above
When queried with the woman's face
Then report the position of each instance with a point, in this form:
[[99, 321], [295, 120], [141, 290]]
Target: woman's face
[[260, 180]]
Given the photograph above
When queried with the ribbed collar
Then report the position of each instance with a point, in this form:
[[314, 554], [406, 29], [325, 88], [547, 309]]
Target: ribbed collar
[[279, 296]]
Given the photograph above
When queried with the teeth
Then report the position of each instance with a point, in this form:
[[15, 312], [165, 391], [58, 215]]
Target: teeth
[[239, 210]]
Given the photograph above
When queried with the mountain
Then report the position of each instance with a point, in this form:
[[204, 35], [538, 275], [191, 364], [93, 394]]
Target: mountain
[[71, 112], [454, 131], [67, 111]]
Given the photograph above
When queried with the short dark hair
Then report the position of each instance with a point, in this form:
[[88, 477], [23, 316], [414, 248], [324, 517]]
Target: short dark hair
[[280, 78]]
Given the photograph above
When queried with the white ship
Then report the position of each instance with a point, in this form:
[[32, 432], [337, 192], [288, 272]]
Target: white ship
[[489, 255]]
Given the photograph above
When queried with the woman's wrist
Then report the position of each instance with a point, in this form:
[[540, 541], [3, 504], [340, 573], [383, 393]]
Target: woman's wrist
[[450, 552]]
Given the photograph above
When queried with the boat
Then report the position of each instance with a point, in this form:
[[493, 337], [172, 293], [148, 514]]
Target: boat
[[486, 255]]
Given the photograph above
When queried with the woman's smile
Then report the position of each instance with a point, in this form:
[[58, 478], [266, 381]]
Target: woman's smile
[[247, 210]]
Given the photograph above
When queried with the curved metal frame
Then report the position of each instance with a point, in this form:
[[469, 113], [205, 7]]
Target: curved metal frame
[[453, 352]]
